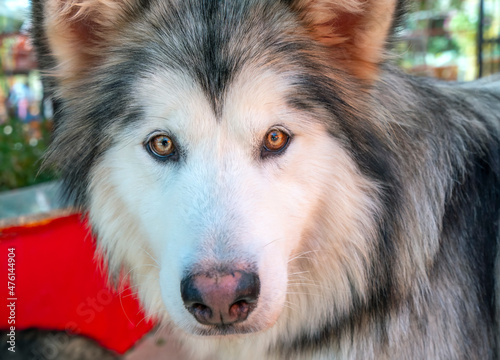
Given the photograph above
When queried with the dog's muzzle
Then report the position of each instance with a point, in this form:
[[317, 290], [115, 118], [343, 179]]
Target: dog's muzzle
[[220, 298]]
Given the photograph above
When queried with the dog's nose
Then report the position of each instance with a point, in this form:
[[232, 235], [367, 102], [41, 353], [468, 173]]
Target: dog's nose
[[220, 298]]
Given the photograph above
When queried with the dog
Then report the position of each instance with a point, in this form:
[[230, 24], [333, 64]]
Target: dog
[[274, 187]]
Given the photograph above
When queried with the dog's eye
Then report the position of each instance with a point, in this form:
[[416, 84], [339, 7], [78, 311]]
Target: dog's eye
[[275, 141], [162, 147]]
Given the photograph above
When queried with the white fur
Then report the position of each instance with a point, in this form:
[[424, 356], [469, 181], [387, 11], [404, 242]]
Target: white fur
[[304, 218]]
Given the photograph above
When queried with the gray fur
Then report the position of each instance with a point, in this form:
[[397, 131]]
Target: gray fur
[[432, 147]]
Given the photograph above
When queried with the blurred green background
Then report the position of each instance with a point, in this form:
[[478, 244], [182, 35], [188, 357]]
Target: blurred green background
[[439, 39], [24, 129]]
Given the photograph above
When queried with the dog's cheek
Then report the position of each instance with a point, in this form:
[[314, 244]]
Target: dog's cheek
[[122, 239], [300, 185]]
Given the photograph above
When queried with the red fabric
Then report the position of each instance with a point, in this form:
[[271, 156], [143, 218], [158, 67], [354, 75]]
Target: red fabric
[[59, 285]]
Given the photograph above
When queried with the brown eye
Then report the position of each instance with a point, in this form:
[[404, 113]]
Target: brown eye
[[275, 140], [161, 146]]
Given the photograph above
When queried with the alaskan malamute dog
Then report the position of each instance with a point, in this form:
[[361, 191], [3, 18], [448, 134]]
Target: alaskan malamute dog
[[273, 186]]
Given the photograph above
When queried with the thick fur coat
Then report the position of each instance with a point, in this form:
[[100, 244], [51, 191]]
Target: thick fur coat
[[275, 140]]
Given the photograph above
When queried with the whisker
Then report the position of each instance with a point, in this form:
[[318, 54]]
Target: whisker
[[151, 256], [301, 255], [272, 241]]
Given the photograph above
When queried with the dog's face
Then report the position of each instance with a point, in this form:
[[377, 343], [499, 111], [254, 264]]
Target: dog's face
[[214, 195], [222, 177]]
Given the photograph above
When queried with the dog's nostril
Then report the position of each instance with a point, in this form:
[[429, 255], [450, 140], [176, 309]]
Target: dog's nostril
[[200, 307], [240, 309], [200, 310], [220, 298]]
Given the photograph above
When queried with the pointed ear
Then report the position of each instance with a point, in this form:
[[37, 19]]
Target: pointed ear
[[78, 30], [355, 31]]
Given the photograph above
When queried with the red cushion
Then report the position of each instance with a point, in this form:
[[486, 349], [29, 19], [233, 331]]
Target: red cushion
[[59, 285]]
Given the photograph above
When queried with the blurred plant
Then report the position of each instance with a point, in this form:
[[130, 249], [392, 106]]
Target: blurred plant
[[21, 150], [440, 44], [463, 28], [9, 24]]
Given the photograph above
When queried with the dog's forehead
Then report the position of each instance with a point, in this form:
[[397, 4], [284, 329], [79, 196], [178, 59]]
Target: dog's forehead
[[254, 101], [213, 41]]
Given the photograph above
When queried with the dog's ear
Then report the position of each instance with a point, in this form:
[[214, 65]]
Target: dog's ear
[[355, 31], [76, 31]]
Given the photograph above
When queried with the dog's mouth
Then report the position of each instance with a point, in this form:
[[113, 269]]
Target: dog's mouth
[[224, 330], [220, 328]]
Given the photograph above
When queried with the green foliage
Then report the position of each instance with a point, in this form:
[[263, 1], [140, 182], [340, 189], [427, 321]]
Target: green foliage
[[21, 153], [440, 44], [438, 5], [9, 24], [463, 27]]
